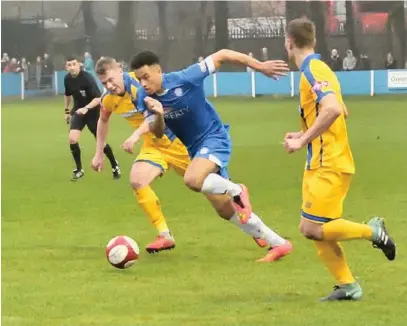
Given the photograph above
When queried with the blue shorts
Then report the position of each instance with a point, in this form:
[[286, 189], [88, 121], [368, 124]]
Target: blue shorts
[[217, 150]]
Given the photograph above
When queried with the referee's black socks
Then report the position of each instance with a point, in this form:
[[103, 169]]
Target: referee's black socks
[[109, 154], [76, 153]]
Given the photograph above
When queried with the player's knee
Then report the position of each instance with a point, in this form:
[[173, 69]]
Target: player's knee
[[311, 232], [192, 182], [137, 183], [73, 140]]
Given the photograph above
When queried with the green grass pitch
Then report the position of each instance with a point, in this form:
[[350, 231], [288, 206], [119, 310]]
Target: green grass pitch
[[54, 232]]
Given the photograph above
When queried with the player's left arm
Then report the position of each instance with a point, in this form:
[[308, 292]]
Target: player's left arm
[[271, 68], [196, 73], [345, 110]]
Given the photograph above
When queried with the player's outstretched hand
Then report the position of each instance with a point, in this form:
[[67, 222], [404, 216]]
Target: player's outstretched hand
[[97, 162], [129, 143], [274, 68], [154, 105], [82, 111]]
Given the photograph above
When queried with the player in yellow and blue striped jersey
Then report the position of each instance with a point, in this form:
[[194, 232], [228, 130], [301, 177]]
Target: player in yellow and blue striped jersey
[[156, 156], [329, 164]]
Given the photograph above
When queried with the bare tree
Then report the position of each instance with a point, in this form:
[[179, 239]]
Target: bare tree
[[397, 22], [350, 28], [162, 18], [317, 9], [124, 30], [221, 25], [296, 9], [200, 31], [90, 27]]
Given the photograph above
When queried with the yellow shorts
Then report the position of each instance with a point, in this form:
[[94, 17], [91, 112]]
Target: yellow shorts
[[323, 193], [175, 156]]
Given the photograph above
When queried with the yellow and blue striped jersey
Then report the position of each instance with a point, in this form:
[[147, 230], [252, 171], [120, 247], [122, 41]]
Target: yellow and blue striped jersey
[[331, 149], [124, 105]]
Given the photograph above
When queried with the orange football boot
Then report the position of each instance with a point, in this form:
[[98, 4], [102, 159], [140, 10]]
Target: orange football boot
[[277, 252], [161, 243]]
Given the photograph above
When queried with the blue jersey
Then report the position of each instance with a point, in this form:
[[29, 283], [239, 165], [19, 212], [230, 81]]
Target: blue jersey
[[187, 112]]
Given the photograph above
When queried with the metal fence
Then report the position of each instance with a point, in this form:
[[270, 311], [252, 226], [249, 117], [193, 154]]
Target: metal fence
[[181, 32]]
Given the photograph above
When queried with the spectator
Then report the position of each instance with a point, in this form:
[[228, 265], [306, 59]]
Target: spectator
[[264, 54], [364, 62], [12, 66], [124, 65], [47, 70], [248, 69], [24, 68], [38, 71], [390, 62], [4, 61], [335, 61], [349, 63], [88, 65]]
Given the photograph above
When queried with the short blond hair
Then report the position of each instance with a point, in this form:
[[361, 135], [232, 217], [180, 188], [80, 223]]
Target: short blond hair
[[104, 64], [302, 32]]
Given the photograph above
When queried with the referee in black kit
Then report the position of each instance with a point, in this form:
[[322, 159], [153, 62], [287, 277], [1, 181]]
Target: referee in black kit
[[82, 86]]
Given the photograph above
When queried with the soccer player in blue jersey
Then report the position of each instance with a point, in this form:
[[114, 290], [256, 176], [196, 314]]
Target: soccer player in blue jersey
[[177, 100]]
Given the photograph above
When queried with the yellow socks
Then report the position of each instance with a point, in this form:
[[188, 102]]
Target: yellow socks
[[148, 200], [332, 255], [341, 230]]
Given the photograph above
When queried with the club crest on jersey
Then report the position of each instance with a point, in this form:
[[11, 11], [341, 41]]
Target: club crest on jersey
[[178, 92], [319, 85], [83, 93], [204, 150]]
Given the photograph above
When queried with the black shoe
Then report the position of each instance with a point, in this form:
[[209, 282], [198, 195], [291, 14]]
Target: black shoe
[[381, 238], [77, 174], [116, 172]]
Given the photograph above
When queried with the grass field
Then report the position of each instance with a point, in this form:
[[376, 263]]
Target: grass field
[[54, 272]]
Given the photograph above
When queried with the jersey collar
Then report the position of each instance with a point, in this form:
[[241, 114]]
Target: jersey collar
[[308, 58], [164, 86]]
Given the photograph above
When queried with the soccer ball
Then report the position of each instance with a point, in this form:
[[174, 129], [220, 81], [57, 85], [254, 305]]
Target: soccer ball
[[122, 252]]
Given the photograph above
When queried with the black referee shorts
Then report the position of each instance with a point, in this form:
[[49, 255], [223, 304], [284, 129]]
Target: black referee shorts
[[90, 119]]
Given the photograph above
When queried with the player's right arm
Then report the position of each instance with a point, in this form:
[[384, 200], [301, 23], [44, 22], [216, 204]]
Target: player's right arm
[[156, 119], [101, 134], [67, 100], [153, 113], [102, 130], [129, 143]]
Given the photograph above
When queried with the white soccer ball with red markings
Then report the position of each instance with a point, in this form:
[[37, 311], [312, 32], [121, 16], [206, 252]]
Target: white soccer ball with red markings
[[122, 252]]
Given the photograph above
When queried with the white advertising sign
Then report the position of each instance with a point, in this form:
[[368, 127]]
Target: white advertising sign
[[397, 78]]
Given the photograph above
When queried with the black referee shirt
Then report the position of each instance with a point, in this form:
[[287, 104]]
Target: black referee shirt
[[82, 88]]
